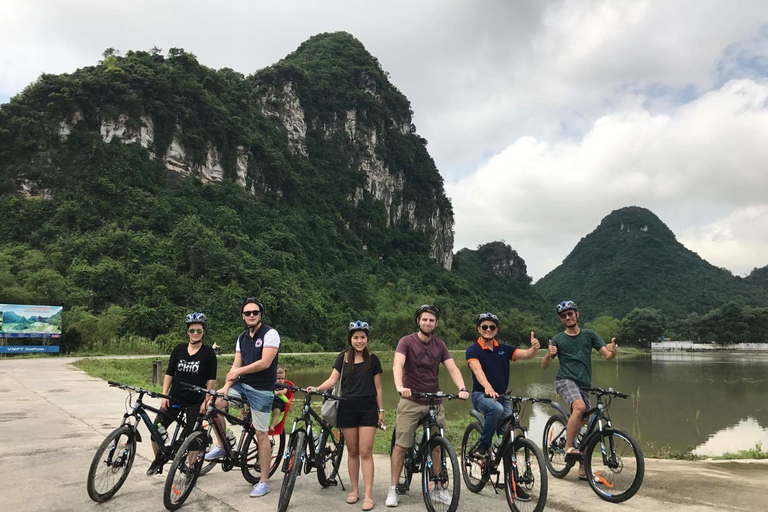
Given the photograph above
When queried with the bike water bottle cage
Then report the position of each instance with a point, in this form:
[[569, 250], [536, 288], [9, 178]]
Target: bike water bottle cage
[[195, 318], [358, 325], [566, 305], [487, 316], [424, 308]]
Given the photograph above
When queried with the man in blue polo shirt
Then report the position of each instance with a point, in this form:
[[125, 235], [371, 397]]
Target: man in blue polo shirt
[[489, 361]]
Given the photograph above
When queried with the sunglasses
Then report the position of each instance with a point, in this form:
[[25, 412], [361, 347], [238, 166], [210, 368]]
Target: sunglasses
[[487, 327], [567, 314], [195, 331], [254, 312]]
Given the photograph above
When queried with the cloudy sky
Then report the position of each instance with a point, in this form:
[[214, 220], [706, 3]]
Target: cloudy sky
[[542, 117]]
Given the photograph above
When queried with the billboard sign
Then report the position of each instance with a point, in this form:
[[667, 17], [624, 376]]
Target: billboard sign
[[26, 321]]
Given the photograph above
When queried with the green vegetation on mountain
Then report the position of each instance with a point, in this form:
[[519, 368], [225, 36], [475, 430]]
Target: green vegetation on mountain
[[632, 260], [129, 247]]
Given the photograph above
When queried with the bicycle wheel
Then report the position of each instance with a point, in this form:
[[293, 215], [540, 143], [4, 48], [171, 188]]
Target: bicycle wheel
[[525, 477], [440, 482], [111, 464], [249, 462], [616, 464], [208, 464], [553, 446], [185, 469], [406, 474], [471, 467], [293, 464], [330, 450]]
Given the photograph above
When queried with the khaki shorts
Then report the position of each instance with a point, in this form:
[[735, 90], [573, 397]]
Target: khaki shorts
[[408, 415]]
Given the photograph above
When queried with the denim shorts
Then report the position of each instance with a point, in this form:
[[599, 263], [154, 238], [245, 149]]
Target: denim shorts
[[259, 400]]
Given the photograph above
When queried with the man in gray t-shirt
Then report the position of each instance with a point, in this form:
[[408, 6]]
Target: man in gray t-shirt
[[417, 362]]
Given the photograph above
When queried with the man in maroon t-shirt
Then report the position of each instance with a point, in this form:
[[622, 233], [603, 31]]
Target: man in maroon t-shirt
[[417, 362]]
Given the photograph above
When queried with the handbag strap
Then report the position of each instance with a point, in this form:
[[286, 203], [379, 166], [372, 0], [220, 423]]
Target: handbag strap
[[337, 387]]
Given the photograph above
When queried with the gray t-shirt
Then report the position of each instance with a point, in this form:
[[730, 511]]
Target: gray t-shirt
[[422, 363]]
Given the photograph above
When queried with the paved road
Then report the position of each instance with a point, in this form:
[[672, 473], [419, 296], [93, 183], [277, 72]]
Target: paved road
[[53, 416]]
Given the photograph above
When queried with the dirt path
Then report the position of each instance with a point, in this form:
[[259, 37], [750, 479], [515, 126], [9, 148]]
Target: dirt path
[[53, 416]]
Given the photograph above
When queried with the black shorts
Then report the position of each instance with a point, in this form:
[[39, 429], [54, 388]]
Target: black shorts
[[358, 412], [192, 412], [278, 404]]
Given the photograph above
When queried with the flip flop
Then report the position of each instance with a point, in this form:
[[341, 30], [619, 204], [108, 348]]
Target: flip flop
[[583, 477], [367, 504], [352, 498]]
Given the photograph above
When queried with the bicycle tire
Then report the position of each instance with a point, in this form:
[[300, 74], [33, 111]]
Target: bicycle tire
[[406, 474], [294, 462], [553, 446], [434, 485], [117, 468], [249, 456], [330, 450], [472, 468], [208, 465], [525, 476], [181, 477], [616, 481]]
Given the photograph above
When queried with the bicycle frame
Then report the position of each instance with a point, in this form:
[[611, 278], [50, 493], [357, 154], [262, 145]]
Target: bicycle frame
[[139, 412], [306, 417], [212, 416]]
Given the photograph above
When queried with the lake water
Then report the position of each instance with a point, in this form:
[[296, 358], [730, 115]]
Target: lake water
[[708, 403]]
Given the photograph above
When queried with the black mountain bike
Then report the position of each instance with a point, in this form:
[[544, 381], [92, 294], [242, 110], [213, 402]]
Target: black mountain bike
[[307, 450], [432, 455], [190, 458], [524, 474], [612, 458], [113, 460]]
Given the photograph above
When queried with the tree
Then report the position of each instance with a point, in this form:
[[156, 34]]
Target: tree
[[641, 326]]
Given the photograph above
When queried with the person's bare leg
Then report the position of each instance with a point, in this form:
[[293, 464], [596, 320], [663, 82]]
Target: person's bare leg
[[351, 440], [396, 463], [265, 455], [366, 436]]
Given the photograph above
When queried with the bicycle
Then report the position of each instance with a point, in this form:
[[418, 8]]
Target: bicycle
[[525, 475], [615, 472], [308, 451], [113, 460], [190, 459], [434, 457]]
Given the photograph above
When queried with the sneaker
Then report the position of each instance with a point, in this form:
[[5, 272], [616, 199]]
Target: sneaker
[[216, 452], [521, 494], [155, 468], [259, 490], [391, 497], [442, 496], [478, 452]]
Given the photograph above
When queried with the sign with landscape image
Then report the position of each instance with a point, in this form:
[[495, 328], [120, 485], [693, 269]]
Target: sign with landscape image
[[29, 321]]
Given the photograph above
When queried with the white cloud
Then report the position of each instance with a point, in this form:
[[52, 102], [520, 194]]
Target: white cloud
[[688, 167]]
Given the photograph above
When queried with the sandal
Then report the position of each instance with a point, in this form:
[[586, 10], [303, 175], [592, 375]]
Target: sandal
[[583, 477], [367, 504], [572, 455], [352, 498]]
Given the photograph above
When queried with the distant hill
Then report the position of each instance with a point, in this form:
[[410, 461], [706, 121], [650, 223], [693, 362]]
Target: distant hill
[[758, 277], [633, 260]]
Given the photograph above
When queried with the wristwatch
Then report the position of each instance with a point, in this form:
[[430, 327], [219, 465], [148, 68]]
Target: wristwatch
[[463, 389], [381, 410]]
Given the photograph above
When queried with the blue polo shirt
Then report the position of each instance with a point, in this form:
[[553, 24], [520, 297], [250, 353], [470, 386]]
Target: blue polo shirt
[[494, 360]]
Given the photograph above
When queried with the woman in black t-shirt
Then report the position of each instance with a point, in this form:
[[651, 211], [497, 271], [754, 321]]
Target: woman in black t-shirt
[[363, 408]]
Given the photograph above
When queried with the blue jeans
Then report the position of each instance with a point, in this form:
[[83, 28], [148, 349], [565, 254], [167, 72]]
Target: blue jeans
[[494, 412]]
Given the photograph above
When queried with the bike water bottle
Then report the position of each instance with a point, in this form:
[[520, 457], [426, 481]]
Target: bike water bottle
[[580, 436], [163, 433], [230, 436]]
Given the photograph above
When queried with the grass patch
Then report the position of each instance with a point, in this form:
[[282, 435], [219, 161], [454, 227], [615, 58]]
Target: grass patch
[[752, 453]]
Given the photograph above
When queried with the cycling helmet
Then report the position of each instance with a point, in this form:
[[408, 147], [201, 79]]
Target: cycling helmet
[[427, 307], [565, 306], [252, 300], [487, 316], [358, 325], [195, 318]]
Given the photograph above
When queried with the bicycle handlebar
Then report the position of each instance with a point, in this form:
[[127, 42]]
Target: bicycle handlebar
[[439, 394], [609, 391], [513, 398], [137, 389], [307, 391], [213, 393]]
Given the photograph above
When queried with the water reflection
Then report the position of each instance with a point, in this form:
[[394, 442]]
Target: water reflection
[[678, 401]]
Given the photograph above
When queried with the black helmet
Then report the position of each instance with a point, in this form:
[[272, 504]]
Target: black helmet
[[565, 306], [487, 316], [427, 307], [252, 300], [195, 318], [358, 325]]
